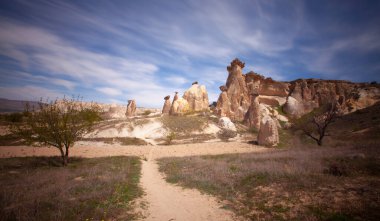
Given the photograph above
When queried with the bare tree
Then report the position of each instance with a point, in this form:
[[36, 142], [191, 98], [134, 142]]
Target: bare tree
[[315, 124], [58, 123]]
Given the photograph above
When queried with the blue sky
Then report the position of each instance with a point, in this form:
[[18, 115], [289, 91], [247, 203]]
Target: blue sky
[[112, 51]]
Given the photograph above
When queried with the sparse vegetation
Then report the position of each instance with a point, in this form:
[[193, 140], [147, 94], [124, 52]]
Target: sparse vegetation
[[184, 124], [170, 137], [146, 112], [315, 123], [291, 184], [58, 123], [37, 188], [126, 141]]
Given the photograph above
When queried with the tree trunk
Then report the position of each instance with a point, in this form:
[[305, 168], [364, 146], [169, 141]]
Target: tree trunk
[[320, 141], [66, 161], [63, 156]]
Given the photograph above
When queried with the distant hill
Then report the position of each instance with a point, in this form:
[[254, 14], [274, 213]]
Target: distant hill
[[7, 106]]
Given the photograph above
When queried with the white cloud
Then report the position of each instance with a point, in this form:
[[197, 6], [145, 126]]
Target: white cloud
[[109, 91], [176, 80], [31, 93]]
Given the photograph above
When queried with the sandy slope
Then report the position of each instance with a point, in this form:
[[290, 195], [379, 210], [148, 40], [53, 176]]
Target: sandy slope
[[165, 201]]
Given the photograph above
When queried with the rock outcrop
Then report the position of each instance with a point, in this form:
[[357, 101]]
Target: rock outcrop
[[296, 97], [131, 108], [167, 105], [308, 94], [252, 117], [268, 133], [197, 97]]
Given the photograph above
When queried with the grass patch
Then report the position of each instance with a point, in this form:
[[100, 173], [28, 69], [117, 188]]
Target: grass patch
[[286, 184], [38, 188], [125, 141], [11, 140], [184, 124]]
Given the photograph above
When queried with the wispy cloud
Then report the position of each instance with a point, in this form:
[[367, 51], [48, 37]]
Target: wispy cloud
[[28, 93], [109, 91], [145, 50]]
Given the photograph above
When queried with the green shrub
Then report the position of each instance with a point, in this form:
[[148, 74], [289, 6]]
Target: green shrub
[[170, 137]]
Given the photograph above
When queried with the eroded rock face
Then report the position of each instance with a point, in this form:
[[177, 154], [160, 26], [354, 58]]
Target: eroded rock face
[[268, 133], [252, 117], [313, 93], [179, 107], [197, 97], [131, 108], [167, 105]]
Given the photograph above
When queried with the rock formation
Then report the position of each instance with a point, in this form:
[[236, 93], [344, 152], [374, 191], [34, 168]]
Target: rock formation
[[296, 97], [171, 112], [179, 107], [268, 133], [167, 105], [252, 117], [131, 108], [223, 104], [197, 97]]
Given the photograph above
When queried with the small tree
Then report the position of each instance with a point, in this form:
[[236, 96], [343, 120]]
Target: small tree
[[315, 123], [58, 123]]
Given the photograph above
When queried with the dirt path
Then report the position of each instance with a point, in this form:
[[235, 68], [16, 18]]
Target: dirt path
[[165, 201], [170, 202]]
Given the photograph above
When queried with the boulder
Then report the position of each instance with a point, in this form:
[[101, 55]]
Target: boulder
[[197, 97], [179, 107], [131, 108], [293, 107], [268, 133], [226, 123], [167, 105], [252, 117]]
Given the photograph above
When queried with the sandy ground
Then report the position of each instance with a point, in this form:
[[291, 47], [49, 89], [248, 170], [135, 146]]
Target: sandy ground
[[165, 201]]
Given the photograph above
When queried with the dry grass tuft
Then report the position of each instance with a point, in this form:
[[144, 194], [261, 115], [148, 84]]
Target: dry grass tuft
[[38, 188]]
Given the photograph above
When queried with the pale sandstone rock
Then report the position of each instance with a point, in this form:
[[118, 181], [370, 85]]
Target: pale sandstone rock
[[179, 107], [293, 107], [226, 123], [174, 100], [197, 97], [273, 101], [131, 108], [167, 105], [237, 93], [268, 133], [252, 117]]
